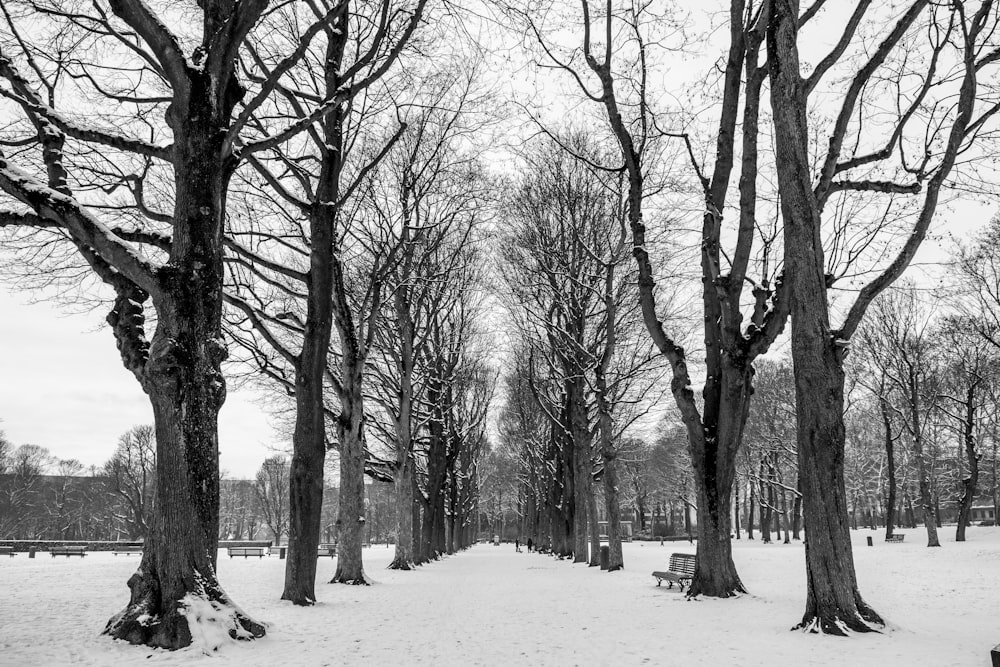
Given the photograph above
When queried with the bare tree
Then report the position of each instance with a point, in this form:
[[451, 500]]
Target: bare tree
[[314, 184], [20, 504], [182, 90], [968, 370], [271, 489], [130, 472], [854, 167], [612, 65]]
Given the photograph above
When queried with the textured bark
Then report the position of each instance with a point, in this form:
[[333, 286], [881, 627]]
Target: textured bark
[[970, 483], [579, 442], [715, 572], [923, 470], [615, 559], [403, 558], [309, 440], [713, 455], [833, 602], [351, 515]]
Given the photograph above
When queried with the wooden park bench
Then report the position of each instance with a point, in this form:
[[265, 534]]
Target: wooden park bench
[[246, 552], [275, 550], [127, 550], [329, 549], [895, 537], [70, 550], [7, 551], [680, 570]]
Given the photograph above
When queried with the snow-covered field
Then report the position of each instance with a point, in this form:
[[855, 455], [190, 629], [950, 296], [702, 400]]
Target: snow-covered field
[[491, 606]]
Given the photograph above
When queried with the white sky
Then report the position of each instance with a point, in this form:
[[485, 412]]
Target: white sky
[[63, 386]]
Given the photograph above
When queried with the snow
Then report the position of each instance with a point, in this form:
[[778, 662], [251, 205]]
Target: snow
[[490, 605]]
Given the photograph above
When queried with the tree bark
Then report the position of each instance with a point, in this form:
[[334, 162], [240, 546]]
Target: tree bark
[[351, 515], [403, 558], [580, 444], [970, 483], [833, 602], [176, 578], [305, 506]]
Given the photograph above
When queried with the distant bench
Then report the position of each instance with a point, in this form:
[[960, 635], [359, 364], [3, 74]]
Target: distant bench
[[70, 550], [127, 551], [7, 551], [329, 549], [679, 571], [246, 552], [276, 549], [895, 537]]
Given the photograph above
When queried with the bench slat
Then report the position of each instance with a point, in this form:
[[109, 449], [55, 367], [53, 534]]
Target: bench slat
[[680, 570]]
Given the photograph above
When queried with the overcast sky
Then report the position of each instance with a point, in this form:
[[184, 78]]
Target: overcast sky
[[63, 386]]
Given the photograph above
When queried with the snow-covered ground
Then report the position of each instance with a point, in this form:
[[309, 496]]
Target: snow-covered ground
[[491, 606]]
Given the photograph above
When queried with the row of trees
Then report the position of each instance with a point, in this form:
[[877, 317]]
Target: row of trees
[[835, 193], [583, 365], [263, 177], [256, 179]]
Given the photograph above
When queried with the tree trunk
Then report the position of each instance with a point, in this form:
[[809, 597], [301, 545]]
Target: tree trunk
[[784, 515], [765, 510], [305, 506], [582, 469], [970, 483], [736, 508], [615, 559], [403, 559], [593, 530], [890, 462], [351, 514], [713, 457], [419, 543], [924, 485], [182, 375], [833, 602]]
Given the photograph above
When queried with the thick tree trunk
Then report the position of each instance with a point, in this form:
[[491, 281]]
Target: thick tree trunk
[[615, 559], [580, 444], [833, 602], [420, 545], [403, 559], [714, 460], [175, 584], [715, 574], [305, 506], [926, 497], [351, 515]]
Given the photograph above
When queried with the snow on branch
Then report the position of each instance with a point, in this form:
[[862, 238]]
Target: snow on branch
[[56, 208], [164, 44]]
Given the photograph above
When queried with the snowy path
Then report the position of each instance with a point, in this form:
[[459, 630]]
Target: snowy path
[[491, 606]]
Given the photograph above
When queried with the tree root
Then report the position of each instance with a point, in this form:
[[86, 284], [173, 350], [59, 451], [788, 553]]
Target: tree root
[[836, 625], [203, 618]]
